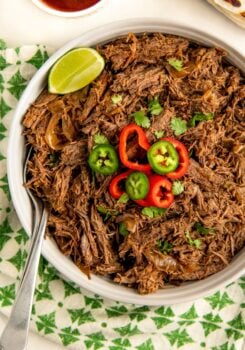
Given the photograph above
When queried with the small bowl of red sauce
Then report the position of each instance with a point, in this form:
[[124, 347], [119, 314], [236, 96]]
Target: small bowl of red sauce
[[69, 8]]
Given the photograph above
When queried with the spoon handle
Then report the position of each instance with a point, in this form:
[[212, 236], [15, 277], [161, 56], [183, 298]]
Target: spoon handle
[[14, 336]]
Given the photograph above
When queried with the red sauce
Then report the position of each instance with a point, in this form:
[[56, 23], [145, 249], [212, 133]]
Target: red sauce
[[70, 5]]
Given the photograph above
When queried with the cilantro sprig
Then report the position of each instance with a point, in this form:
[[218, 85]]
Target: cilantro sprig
[[124, 198], [202, 229], [159, 133], [177, 187], [153, 212], [141, 119], [106, 212], [178, 125], [116, 99], [123, 229], [176, 64], [54, 159], [194, 242], [100, 139], [200, 117], [164, 246], [154, 107]]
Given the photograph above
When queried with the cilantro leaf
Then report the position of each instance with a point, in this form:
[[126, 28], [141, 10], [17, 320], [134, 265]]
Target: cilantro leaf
[[107, 212], [54, 159], [199, 117], [195, 242], [177, 187], [141, 119], [203, 230], [124, 198], [176, 64], [102, 209], [116, 99], [123, 229], [159, 133], [100, 139], [153, 212], [164, 246], [178, 125], [154, 107]]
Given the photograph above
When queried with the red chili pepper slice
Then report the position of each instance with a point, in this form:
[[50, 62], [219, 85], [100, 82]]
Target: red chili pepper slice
[[183, 159], [143, 202], [114, 187], [160, 194], [128, 131]]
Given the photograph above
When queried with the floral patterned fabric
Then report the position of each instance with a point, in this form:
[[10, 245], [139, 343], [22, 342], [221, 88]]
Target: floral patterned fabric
[[75, 317]]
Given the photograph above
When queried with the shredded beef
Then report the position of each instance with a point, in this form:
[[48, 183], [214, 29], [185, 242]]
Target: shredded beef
[[137, 68]]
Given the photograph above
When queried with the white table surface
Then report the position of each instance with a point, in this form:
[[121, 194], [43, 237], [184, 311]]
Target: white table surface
[[23, 23]]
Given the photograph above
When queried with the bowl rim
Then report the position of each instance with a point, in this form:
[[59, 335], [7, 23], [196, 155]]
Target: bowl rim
[[67, 269], [71, 14]]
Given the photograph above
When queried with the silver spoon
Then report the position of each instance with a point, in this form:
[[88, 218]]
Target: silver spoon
[[15, 333]]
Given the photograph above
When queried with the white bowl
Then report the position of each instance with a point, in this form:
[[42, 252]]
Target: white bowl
[[71, 14], [16, 154]]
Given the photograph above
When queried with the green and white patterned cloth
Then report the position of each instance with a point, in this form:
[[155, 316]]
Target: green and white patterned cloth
[[76, 318]]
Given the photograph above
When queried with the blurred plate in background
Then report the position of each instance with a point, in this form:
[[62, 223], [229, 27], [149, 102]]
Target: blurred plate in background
[[233, 9]]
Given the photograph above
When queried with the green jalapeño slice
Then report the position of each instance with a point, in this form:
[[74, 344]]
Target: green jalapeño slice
[[103, 159], [137, 185], [163, 157]]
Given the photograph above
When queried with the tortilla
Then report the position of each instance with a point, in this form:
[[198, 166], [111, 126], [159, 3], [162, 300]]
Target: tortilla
[[233, 9]]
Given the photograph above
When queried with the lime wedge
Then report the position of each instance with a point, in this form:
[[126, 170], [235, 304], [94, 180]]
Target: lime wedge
[[74, 70]]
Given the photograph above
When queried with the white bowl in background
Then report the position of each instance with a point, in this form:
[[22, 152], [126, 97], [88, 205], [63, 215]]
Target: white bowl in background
[[70, 14], [16, 154]]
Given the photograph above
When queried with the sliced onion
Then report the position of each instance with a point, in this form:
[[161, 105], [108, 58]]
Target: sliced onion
[[130, 224], [51, 136], [55, 136], [67, 128]]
